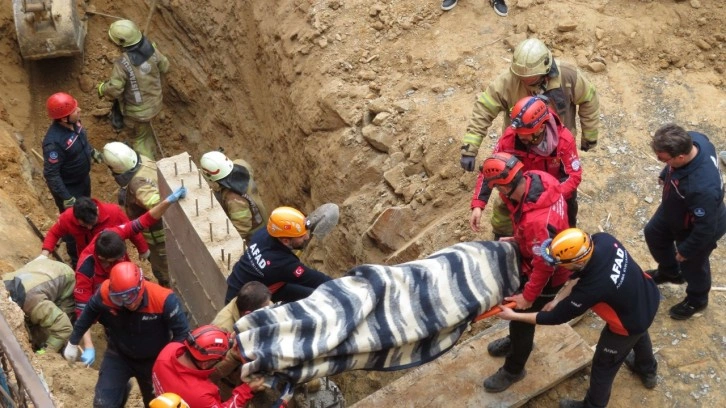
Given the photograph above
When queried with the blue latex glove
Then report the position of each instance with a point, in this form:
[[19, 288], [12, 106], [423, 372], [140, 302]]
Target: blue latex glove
[[180, 192], [88, 356]]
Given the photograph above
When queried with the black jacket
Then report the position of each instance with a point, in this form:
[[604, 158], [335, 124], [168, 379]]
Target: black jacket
[[614, 286], [66, 158], [692, 201]]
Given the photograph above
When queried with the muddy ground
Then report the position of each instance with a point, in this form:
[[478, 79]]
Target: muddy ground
[[364, 104]]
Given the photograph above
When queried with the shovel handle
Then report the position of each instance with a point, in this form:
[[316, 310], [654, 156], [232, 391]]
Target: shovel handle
[[493, 311]]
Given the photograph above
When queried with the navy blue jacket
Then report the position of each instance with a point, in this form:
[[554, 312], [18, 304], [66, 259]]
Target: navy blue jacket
[[67, 158], [269, 261], [692, 201], [138, 334], [614, 286]]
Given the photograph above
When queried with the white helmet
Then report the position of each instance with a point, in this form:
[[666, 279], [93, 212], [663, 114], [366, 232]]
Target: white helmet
[[119, 157], [215, 165], [531, 58]]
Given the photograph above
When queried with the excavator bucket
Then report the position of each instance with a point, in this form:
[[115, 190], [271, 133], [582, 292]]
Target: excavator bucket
[[48, 28]]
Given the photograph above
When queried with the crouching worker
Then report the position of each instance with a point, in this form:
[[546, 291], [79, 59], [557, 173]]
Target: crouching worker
[[184, 369], [43, 288], [140, 318], [606, 279]]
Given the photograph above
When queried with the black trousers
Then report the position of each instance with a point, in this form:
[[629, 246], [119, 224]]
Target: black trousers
[[522, 334], [696, 270], [572, 208], [609, 355]]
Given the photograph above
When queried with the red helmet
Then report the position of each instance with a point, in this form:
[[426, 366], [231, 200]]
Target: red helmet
[[501, 169], [60, 105], [126, 282], [208, 343], [529, 115]]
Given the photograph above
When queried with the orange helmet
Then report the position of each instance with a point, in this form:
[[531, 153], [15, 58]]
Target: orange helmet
[[207, 343], [287, 222], [60, 105], [529, 115], [570, 248], [126, 282], [168, 400], [501, 169]]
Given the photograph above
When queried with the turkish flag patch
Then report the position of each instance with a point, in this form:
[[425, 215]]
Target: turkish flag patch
[[299, 271]]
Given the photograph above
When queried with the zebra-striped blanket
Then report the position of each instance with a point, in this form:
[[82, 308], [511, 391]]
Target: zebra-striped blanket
[[380, 317]]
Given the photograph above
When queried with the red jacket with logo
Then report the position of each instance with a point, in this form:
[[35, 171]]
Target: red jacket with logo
[[90, 274], [563, 163], [540, 215], [193, 386], [109, 215]]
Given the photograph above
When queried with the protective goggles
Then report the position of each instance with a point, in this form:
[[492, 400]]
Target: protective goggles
[[126, 297]]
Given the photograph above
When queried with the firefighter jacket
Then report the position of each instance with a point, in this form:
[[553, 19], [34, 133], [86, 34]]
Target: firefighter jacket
[[614, 286], [142, 194], [90, 273], [192, 385], [563, 163], [43, 288], [136, 81], [67, 156], [109, 215], [139, 334], [540, 215], [241, 200], [692, 200], [568, 91]]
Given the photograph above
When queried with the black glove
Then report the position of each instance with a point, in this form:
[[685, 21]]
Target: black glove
[[586, 145], [468, 162]]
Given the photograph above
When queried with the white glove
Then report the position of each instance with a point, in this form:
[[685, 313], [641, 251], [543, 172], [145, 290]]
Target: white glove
[[70, 353], [145, 256]]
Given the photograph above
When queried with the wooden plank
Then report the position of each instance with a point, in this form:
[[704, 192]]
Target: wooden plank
[[455, 379]]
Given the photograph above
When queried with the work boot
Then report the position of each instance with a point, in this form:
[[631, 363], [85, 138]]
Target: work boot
[[685, 309], [649, 380], [501, 380], [569, 403], [500, 7], [660, 278], [500, 347], [447, 5]]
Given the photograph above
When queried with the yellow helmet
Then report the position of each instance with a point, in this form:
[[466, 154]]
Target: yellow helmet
[[531, 58], [168, 400], [287, 222], [570, 248], [124, 33]]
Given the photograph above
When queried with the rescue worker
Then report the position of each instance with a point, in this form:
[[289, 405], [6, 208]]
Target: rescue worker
[[253, 295], [108, 249], [691, 217], [539, 140], [67, 156], [139, 192], [237, 192], [168, 400], [269, 258], [43, 288], [184, 369], [534, 72], [84, 221], [139, 318], [606, 279], [538, 211], [500, 7], [136, 83]]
